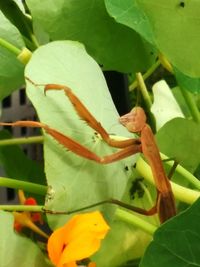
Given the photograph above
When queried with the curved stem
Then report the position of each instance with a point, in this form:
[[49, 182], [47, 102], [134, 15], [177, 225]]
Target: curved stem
[[10, 47], [26, 186], [135, 220], [181, 193], [22, 140], [145, 75], [191, 104]]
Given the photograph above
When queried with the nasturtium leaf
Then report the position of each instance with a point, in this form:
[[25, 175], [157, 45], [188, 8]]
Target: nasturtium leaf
[[186, 82], [16, 250], [129, 13], [176, 31], [11, 70], [179, 139], [176, 243], [165, 107], [16, 16], [113, 45], [76, 182]]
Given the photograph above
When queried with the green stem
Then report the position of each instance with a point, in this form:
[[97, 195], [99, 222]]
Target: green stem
[[29, 208], [22, 140], [144, 90], [134, 220], [147, 100], [185, 173], [10, 47], [181, 193], [145, 75], [26, 186], [191, 104], [122, 215]]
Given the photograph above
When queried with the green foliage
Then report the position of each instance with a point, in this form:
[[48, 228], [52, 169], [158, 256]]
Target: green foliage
[[16, 250], [185, 151], [176, 243], [71, 43], [167, 24], [11, 70], [89, 23]]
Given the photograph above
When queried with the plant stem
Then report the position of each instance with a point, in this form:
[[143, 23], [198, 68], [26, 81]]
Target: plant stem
[[147, 100], [134, 220], [10, 47], [191, 104], [122, 215], [145, 75], [26, 186], [29, 208], [185, 173], [22, 140], [144, 90], [183, 194]]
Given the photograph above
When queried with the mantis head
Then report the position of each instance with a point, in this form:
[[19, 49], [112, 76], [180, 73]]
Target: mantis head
[[135, 120]]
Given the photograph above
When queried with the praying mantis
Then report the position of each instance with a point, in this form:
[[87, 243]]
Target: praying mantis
[[135, 122]]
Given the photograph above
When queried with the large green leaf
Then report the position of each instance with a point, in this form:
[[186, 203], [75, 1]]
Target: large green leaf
[[113, 45], [176, 29], [179, 139], [77, 182], [16, 250], [11, 70], [176, 243], [173, 27], [130, 14]]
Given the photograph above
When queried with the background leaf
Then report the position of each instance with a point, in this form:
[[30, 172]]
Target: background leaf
[[16, 250], [187, 82], [179, 139], [11, 70], [176, 243], [77, 182], [174, 27], [113, 45], [129, 13]]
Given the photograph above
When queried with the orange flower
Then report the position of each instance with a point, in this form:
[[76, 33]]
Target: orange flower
[[78, 239], [27, 219]]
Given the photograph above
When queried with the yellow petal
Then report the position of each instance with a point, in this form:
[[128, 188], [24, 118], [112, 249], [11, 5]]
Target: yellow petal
[[92, 264], [79, 238], [55, 245], [80, 248], [90, 222]]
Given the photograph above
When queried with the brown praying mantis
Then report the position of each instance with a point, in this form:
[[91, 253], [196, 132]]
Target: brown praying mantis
[[135, 122]]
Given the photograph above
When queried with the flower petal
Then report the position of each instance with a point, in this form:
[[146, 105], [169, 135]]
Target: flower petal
[[91, 222], [55, 245], [79, 238], [80, 248]]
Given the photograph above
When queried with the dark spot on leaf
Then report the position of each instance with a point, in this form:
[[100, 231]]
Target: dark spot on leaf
[[182, 4]]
